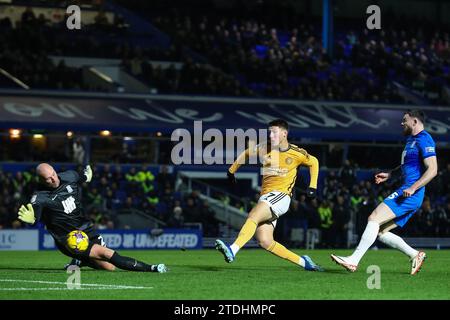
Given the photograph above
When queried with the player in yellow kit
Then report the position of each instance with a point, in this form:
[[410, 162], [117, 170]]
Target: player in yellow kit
[[280, 161]]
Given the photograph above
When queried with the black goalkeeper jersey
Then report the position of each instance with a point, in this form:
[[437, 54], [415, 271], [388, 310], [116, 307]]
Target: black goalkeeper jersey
[[60, 209]]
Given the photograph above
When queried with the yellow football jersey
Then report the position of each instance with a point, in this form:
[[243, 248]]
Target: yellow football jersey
[[279, 167]]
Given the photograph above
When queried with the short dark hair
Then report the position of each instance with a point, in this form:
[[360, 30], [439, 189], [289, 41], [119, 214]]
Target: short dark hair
[[419, 114], [279, 123]]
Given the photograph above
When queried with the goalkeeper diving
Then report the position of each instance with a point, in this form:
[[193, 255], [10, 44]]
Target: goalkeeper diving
[[57, 205]]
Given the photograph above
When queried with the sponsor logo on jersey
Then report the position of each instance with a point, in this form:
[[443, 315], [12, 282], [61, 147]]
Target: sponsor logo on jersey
[[429, 149], [274, 171], [69, 205]]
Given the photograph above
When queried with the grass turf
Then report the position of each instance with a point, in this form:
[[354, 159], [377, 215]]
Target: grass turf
[[203, 275]]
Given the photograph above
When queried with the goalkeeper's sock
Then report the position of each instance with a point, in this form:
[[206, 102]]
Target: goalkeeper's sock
[[130, 264], [246, 233], [394, 241], [281, 251], [367, 239]]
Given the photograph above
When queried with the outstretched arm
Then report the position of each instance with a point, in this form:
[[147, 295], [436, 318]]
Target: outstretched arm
[[31, 212], [313, 165], [26, 214], [428, 175], [240, 160], [88, 173], [383, 176]]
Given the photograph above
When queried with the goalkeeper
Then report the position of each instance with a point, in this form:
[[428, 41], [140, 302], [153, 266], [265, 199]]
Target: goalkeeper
[[59, 208]]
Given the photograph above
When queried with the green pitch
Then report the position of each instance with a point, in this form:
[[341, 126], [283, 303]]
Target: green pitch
[[203, 275]]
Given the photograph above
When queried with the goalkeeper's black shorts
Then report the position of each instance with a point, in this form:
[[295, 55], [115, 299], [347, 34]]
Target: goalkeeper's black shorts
[[83, 256]]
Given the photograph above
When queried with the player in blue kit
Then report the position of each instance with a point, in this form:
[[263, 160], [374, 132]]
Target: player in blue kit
[[418, 167]]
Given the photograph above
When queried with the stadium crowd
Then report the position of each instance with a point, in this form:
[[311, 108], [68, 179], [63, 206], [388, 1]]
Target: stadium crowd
[[26, 47], [246, 55], [341, 199], [191, 78], [292, 63], [284, 57]]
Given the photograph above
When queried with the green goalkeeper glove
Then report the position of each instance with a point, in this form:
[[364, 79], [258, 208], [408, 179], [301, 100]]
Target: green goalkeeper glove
[[26, 214], [88, 173]]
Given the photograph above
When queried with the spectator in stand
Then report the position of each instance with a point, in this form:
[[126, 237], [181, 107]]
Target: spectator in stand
[[101, 20], [341, 218], [314, 220], [4, 219], [167, 196], [110, 201], [164, 178], [208, 220], [325, 212], [347, 173], [78, 152], [192, 211], [176, 220], [442, 220], [28, 17], [445, 178]]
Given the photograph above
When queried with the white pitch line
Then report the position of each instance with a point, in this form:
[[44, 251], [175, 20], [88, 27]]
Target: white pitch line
[[54, 289], [110, 286]]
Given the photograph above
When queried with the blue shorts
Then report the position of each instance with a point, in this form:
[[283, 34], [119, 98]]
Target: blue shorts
[[403, 207]]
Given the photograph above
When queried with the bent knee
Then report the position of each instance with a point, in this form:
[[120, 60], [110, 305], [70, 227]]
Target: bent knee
[[101, 253], [265, 243], [375, 217], [103, 265], [110, 267], [383, 232]]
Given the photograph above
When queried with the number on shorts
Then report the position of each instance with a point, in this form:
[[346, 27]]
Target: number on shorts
[[393, 196], [270, 195], [102, 242]]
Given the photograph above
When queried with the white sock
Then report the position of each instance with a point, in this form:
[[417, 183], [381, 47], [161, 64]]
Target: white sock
[[302, 262], [367, 239], [394, 241], [234, 248]]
